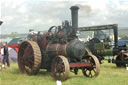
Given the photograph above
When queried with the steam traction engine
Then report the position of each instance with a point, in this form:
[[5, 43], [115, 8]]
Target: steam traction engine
[[58, 51], [101, 45]]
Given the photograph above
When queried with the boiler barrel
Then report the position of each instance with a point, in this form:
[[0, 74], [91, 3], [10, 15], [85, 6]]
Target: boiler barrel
[[56, 49], [73, 49]]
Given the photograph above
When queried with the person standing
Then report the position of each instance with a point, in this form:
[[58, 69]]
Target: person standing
[[5, 56]]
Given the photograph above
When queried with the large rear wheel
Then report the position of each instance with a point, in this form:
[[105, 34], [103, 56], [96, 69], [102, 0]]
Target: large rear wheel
[[29, 57]]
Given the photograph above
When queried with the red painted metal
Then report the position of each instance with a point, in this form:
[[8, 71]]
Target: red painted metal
[[73, 65], [14, 46], [17, 49]]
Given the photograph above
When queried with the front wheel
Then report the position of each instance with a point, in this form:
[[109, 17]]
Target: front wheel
[[94, 70], [60, 68]]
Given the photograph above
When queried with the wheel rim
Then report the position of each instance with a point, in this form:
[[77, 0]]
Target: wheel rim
[[60, 68], [29, 57], [94, 70]]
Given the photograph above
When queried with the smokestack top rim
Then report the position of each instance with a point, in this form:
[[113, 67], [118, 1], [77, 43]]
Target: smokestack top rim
[[74, 7]]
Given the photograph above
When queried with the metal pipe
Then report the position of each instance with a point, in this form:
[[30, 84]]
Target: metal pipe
[[74, 14], [116, 35]]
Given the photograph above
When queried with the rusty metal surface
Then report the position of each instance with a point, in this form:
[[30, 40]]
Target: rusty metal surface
[[56, 49]]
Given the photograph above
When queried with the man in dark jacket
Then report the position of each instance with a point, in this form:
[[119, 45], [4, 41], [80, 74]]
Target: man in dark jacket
[[5, 56]]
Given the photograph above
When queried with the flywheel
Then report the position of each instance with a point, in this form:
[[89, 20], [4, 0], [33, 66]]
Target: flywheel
[[29, 57]]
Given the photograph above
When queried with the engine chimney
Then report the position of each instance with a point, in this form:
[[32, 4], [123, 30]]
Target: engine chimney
[[74, 14]]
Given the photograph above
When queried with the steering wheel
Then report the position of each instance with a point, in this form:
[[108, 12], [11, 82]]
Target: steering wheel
[[51, 28]]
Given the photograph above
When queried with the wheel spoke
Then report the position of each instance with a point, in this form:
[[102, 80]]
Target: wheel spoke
[[94, 71], [90, 74]]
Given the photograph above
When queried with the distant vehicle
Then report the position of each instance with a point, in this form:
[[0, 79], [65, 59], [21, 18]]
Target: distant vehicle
[[14, 43], [107, 44]]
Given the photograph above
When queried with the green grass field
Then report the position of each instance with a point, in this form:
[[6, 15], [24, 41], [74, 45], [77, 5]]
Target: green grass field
[[109, 75]]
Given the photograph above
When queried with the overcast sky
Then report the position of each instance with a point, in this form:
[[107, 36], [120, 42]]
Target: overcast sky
[[22, 15]]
